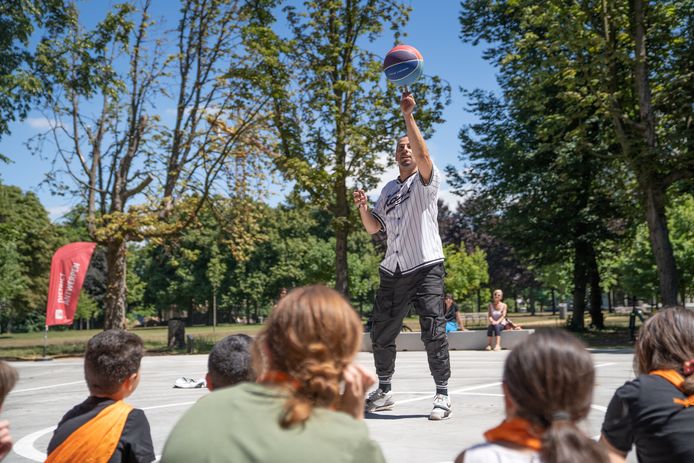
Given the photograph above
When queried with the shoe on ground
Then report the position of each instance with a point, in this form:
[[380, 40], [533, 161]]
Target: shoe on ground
[[488, 348], [497, 348], [378, 401], [189, 383], [442, 408]]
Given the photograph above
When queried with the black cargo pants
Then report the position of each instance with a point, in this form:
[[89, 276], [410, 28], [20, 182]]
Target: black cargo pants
[[424, 288]]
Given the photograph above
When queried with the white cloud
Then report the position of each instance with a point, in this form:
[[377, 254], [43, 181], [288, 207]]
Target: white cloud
[[42, 123], [57, 212], [449, 198]]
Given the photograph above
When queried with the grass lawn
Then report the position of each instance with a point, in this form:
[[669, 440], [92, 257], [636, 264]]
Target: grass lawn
[[29, 346]]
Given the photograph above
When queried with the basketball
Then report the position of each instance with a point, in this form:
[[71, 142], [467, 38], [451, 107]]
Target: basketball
[[403, 65]]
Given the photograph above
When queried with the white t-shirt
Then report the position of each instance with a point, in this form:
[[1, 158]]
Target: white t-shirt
[[489, 452]]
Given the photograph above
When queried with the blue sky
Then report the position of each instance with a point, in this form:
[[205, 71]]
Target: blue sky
[[433, 29]]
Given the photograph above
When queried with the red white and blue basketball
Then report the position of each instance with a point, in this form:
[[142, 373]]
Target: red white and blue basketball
[[403, 65]]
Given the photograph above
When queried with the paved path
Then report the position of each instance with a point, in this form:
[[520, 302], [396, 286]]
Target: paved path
[[46, 390]]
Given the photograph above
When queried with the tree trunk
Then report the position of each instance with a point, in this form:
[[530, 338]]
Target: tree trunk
[[653, 190], [341, 224], [660, 242], [579, 289], [114, 300], [598, 321]]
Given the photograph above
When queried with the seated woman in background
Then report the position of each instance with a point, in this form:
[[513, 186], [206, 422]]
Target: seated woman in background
[[496, 316], [296, 411], [655, 411], [548, 387]]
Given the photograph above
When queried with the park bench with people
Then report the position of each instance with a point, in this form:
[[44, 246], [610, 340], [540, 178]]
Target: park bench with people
[[457, 340]]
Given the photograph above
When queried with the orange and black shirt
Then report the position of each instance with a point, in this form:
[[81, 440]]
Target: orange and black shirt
[[132, 442]]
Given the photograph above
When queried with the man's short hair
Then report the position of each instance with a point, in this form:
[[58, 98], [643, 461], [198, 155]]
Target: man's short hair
[[230, 361], [112, 357]]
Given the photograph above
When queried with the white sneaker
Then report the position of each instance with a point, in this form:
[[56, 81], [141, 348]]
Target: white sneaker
[[189, 383], [442, 408], [378, 401]]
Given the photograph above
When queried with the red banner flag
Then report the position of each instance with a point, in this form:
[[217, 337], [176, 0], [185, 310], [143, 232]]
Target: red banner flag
[[68, 269]]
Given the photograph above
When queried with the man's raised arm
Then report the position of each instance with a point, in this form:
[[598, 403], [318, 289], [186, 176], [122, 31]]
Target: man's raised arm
[[417, 144]]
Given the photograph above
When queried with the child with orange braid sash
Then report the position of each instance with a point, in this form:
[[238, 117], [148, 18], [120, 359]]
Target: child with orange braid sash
[[307, 404], [548, 387], [655, 411], [103, 428]]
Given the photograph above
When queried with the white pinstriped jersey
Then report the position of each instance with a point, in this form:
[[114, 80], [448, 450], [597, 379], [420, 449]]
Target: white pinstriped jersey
[[408, 213]]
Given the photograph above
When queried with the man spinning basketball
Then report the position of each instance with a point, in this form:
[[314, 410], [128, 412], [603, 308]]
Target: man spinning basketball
[[412, 270]]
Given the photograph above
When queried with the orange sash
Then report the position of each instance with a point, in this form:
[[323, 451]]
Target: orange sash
[[96, 440], [515, 431], [676, 380]]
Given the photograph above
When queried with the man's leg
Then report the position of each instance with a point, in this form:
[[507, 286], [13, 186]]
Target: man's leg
[[389, 310], [430, 307]]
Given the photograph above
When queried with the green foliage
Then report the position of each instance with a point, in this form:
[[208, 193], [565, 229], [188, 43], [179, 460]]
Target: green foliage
[[12, 282], [19, 84], [638, 275], [466, 272], [595, 88], [28, 243], [681, 224], [136, 174], [87, 308], [333, 114]]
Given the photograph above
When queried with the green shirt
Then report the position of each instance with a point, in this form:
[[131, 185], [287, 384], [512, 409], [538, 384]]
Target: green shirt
[[241, 424]]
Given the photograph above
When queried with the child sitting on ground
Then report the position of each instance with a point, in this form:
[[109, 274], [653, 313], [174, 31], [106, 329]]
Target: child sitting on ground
[[307, 404], [103, 428], [548, 387], [655, 411], [8, 378], [229, 362]]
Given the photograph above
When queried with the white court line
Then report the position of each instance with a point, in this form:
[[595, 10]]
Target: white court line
[[24, 447], [44, 364], [48, 387], [168, 405], [458, 391], [473, 388]]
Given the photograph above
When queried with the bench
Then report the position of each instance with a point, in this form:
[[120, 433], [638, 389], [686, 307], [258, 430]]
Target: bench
[[475, 319], [457, 340]]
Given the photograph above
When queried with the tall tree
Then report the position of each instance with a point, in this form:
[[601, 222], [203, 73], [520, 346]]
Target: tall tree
[[141, 178], [336, 115], [633, 62]]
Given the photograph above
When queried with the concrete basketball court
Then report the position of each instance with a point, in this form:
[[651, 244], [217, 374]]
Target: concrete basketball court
[[46, 391]]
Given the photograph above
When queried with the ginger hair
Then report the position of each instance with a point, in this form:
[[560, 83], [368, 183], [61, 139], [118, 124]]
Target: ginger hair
[[311, 336]]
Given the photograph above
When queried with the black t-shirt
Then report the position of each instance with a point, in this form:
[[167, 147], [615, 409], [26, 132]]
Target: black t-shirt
[[135, 444], [642, 412], [450, 314]]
